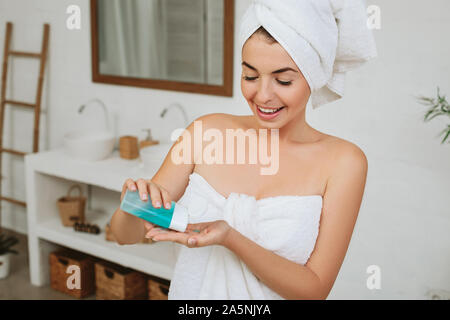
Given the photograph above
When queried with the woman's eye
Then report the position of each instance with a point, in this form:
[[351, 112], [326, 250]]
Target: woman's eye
[[284, 83]]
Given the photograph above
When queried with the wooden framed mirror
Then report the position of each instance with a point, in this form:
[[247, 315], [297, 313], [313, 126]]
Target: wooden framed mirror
[[180, 45]]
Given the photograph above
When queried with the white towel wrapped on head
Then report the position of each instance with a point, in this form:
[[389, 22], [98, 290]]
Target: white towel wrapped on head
[[325, 38]]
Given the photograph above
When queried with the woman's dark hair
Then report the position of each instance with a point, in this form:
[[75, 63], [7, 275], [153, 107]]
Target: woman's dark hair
[[267, 36]]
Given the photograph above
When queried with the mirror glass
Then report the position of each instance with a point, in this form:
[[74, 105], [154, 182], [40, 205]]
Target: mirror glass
[[176, 40]]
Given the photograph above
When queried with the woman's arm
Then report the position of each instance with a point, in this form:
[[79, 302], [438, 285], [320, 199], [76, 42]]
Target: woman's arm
[[169, 183], [341, 203]]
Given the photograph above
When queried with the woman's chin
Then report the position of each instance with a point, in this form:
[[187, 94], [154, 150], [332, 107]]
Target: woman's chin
[[269, 125]]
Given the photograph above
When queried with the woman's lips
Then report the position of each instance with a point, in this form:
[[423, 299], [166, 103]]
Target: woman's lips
[[268, 116]]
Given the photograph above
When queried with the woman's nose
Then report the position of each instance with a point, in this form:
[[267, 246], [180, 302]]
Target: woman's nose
[[265, 91]]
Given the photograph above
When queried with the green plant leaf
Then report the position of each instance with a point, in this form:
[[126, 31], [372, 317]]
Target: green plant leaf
[[446, 134], [437, 113], [438, 107], [425, 100], [8, 242]]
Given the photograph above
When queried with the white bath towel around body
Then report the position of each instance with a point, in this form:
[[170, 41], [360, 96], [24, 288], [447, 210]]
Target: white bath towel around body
[[286, 225]]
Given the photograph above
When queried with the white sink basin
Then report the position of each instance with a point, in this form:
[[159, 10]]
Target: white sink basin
[[153, 156], [90, 145]]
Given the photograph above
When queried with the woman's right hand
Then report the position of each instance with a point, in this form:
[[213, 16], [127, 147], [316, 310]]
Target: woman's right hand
[[148, 190], [127, 228]]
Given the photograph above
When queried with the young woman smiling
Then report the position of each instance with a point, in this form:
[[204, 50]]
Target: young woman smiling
[[260, 236]]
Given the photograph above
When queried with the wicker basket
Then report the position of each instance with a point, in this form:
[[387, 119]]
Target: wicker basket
[[71, 209], [114, 282], [158, 289], [128, 147], [63, 274]]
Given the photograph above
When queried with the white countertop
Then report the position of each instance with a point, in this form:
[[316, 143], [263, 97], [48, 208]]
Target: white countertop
[[110, 173]]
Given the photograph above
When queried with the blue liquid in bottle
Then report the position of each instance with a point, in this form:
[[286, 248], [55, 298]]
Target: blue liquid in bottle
[[175, 218]]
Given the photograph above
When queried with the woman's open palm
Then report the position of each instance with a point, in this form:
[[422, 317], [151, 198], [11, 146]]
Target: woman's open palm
[[196, 235]]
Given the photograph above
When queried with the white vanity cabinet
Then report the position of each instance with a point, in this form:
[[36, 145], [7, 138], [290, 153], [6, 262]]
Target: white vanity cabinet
[[48, 177]]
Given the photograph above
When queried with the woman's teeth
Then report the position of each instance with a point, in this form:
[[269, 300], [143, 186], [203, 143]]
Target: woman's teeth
[[271, 110]]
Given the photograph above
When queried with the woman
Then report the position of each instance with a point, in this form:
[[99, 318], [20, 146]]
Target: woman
[[259, 235]]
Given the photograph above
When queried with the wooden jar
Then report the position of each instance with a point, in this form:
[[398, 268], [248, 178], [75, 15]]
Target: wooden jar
[[128, 147]]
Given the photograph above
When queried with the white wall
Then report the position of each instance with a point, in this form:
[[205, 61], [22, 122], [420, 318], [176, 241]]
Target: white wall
[[404, 218]]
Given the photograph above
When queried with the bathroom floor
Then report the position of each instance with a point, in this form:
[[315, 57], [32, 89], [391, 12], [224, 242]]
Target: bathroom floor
[[17, 285]]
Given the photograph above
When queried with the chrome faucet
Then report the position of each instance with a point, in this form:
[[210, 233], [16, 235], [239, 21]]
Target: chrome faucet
[[176, 105], [105, 110]]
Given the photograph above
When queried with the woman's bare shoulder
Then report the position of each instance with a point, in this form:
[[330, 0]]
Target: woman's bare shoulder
[[343, 152], [222, 120]]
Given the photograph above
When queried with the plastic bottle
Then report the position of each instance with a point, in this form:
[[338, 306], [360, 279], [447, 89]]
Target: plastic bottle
[[175, 218]]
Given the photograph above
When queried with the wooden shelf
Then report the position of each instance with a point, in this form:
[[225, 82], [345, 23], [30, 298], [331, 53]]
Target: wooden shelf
[[156, 258], [48, 176]]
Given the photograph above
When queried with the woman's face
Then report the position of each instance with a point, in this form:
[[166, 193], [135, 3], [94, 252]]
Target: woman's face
[[262, 87]]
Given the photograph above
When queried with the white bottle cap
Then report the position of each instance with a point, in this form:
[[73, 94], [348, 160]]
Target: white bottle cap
[[179, 218]]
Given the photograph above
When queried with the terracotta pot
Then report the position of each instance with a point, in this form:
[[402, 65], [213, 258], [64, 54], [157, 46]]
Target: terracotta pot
[[4, 265]]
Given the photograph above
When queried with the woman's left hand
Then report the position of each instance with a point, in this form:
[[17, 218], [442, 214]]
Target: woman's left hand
[[206, 234]]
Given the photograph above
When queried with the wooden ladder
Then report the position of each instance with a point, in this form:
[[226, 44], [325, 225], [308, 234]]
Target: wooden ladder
[[42, 56]]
